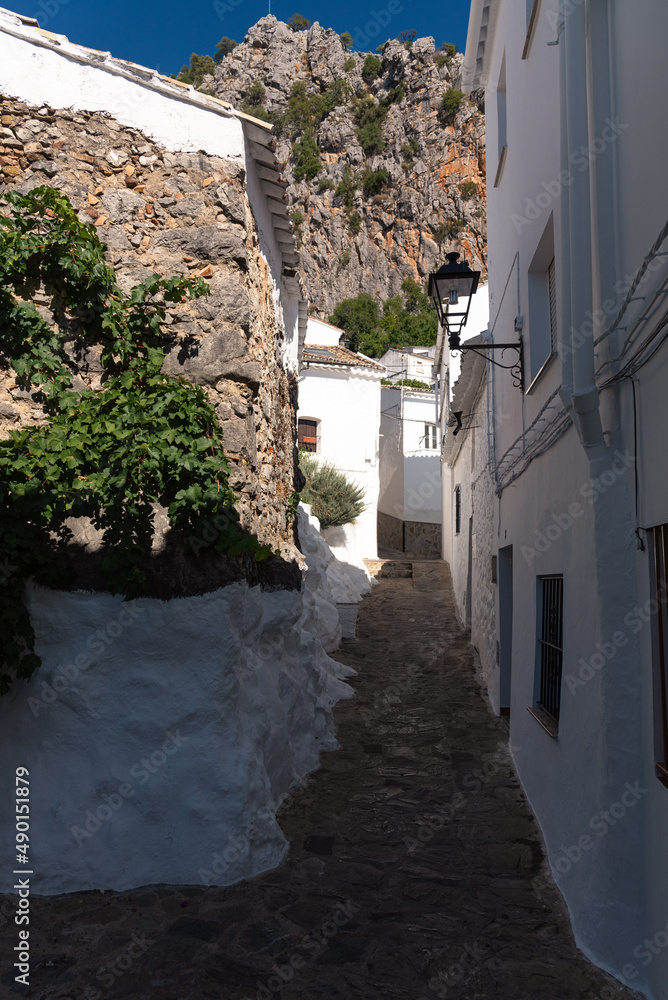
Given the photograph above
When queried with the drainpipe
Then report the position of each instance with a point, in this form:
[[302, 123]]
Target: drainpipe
[[563, 274], [585, 394]]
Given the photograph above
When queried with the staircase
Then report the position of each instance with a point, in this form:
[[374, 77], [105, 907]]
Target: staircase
[[390, 569]]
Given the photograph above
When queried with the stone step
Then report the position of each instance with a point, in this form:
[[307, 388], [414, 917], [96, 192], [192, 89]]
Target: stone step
[[384, 569]]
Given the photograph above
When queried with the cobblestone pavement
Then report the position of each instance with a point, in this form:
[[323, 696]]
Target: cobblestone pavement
[[416, 869]]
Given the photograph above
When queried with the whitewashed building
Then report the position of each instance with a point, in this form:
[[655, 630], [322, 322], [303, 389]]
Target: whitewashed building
[[577, 210], [409, 507], [339, 420], [409, 363]]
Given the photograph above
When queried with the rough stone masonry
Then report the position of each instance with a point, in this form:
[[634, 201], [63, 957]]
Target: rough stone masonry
[[173, 214]]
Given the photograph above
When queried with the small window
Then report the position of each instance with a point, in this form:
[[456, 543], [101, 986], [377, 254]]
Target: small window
[[501, 122], [307, 435], [552, 295], [543, 315], [659, 537], [458, 509], [430, 436], [550, 644]]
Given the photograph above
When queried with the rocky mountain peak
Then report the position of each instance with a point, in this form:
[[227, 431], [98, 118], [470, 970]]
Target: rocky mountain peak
[[383, 180]]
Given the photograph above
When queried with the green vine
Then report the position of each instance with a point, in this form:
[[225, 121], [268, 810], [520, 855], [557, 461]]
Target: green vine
[[144, 440]]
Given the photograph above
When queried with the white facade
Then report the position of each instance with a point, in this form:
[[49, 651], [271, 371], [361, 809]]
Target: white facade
[[409, 362], [343, 397], [576, 147], [410, 477]]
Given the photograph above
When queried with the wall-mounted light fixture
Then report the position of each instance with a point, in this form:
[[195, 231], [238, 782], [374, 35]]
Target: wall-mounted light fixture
[[452, 288]]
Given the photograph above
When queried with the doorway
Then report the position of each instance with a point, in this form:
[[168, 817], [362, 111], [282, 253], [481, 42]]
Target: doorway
[[505, 627]]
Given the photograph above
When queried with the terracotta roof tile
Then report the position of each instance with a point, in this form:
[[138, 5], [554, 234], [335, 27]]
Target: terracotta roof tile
[[325, 354]]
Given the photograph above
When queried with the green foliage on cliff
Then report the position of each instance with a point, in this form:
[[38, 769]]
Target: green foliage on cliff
[[307, 157], [196, 70], [371, 68], [143, 441], [298, 22], [451, 103], [403, 320]]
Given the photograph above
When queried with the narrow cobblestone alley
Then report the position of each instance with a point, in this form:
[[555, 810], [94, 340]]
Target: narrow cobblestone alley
[[416, 870]]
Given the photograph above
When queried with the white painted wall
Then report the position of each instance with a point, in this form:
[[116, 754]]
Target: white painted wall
[[346, 402], [410, 472], [320, 332], [606, 211], [157, 734]]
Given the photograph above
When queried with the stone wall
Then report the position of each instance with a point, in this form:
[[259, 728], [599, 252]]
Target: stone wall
[[174, 214], [418, 538]]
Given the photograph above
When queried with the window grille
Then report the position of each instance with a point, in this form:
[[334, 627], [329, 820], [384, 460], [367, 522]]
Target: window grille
[[550, 644], [458, 509]]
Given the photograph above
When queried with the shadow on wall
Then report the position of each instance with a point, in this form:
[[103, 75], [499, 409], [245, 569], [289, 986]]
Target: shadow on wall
[[419, 539]]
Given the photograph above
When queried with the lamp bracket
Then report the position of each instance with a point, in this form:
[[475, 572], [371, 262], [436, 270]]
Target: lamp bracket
[[516, 368]]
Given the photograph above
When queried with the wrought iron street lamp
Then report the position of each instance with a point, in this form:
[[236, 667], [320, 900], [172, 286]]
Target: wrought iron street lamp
[[452, 288]]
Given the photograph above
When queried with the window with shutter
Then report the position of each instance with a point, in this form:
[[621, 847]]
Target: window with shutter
[[307, 434]]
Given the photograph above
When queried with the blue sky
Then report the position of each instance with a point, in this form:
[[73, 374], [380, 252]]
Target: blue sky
[[162, 33]]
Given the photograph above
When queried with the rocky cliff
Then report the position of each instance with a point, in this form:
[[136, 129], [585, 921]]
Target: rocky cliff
[[382, 181]]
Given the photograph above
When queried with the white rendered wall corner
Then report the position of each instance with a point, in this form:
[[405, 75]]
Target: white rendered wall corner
[[345, 402]]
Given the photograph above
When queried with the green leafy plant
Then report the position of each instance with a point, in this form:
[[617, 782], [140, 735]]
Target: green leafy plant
[[333, 498], [326, 184], [346, 188], [143, 441], [349, 65], [407, 37], [224, 47], [196, 70], [468, 189], [298, 221], [354, 222], [451, 103], [298, 22], [372, 67], [344, 259], [448, 230], [346, 40], [374, 181], [307, 157], [408, 383], [406, 319], [291, 506], [370, 117], [256, 93]]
